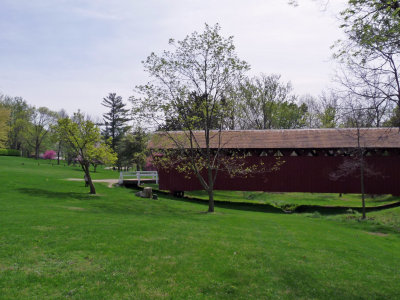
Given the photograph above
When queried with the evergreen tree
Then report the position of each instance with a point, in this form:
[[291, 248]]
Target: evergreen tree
[[115, 120]]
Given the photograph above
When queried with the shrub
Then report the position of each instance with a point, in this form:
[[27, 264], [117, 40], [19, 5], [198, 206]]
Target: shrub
[[49, 154], [10, 152]]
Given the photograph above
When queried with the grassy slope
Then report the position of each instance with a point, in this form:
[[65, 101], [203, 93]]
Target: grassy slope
[[57, 241], [294, 199]]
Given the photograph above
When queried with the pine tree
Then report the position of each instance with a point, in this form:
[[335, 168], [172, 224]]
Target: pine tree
[[115, 120]]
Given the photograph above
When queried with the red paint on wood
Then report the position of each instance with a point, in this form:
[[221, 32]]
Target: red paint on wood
[[299, 174]]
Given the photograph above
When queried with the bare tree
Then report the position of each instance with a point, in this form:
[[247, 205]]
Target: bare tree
[[355, 116]]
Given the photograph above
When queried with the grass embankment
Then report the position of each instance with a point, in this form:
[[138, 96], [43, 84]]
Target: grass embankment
[[290, 201], [57, 241]]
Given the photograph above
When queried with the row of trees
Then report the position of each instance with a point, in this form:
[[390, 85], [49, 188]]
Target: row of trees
[[201, 85], [32, 130], [77, 139]]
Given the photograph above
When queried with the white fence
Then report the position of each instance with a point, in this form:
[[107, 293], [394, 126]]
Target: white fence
[[138, 175]]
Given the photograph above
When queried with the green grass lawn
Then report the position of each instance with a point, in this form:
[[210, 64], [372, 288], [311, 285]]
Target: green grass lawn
[[292, 200], [57, 241]]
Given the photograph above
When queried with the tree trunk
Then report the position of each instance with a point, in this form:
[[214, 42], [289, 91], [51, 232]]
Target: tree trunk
[[362, 187], [210, 200], [37, 152], [210, 191], [90, 182], [58, 153]]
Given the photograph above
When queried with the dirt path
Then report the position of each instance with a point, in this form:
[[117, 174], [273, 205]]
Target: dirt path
[[110, 182]]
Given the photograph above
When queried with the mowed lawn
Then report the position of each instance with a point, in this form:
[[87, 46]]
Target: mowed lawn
[[56, 241], [290, 201], [297, 199]]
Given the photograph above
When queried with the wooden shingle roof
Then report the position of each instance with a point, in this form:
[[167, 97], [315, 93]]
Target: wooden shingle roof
[[283, 139]]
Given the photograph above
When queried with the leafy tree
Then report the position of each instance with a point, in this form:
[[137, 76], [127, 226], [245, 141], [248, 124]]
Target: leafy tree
[[83, 137], [101, 154], [57, 139], [115, 119], [371, 52], [267, 103], [328, 114], [394, 119], [4, 128], [190, 85], [41, 120], [311, 118], [133, 148], [18, 122]]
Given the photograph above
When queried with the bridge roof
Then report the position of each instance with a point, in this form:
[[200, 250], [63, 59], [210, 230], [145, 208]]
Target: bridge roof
[[281, 139]]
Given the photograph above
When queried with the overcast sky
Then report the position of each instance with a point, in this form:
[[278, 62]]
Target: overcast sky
[[71, 53]]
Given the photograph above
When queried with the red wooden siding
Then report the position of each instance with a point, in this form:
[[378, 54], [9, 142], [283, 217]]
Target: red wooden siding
[[299, 174]]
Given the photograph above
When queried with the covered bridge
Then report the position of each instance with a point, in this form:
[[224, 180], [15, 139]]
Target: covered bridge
[[311, 157]]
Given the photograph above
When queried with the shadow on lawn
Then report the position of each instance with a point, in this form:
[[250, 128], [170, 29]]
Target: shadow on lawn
[[54, 194], [223, 204], [264, 207]]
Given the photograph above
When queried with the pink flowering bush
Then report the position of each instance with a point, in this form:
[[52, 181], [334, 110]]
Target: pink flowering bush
[[49, 154]]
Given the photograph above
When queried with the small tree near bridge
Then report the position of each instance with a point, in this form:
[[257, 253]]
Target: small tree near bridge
[[84, 138]]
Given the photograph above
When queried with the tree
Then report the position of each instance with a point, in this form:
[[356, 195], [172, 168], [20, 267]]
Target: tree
[[356, 116], [132, 148], [4, 128], [115, 119], [60, 115], [84, 138], [311, 118], [190, 85], [20, 114], [267, 103], [41, 120], [371, 52], [101, 154], [329, 110]]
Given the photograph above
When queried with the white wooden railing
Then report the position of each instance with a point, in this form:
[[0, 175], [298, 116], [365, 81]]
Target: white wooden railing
[[138, 175]]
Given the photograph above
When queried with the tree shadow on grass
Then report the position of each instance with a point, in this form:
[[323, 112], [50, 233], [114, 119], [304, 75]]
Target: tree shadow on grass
[[54, 194], [246, 206]]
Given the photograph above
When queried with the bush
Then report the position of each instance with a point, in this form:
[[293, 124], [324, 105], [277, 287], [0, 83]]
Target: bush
[[49, 154], [10, 152]]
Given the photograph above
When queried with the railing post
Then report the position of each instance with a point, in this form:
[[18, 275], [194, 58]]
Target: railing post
[[138, 177]]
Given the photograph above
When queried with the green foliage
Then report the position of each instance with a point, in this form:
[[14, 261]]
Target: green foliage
[[328, 117], [4, 125], [101, 153], [394, 120], [268, 103], [371, 52], [10, 152], [38, 128], [133, 149], [192, 82], [84, 139], [115, 119], [373, 25], [189, 92], [20, 114]]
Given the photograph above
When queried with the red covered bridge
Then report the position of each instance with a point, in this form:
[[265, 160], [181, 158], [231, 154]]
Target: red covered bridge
[[310, 158]]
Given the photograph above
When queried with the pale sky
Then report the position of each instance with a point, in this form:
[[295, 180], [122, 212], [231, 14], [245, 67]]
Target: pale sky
[[71, 53]]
